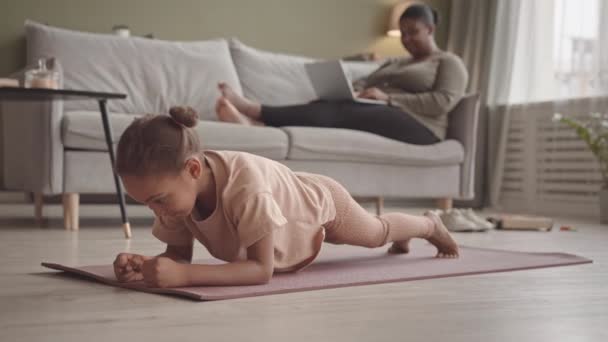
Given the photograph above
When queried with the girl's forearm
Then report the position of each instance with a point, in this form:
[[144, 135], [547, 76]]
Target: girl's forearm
[[181, 254], [173, 256], [248, 272]]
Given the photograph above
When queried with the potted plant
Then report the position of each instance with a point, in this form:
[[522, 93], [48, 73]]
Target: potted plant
[[594, 132]]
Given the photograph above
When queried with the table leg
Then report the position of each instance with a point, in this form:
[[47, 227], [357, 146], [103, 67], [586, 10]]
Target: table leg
[[121, 198]]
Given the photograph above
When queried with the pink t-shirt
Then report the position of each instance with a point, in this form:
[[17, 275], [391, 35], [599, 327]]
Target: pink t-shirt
[[254, 196]]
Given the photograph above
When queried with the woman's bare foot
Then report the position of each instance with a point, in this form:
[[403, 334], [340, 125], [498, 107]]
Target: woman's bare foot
[[226, 112], [440, 238], [249, 108]]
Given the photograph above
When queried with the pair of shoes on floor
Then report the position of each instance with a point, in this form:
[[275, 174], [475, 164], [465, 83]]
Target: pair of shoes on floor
[[464, 220]]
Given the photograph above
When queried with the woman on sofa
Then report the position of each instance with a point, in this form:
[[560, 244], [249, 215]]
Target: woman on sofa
[[419, 90]]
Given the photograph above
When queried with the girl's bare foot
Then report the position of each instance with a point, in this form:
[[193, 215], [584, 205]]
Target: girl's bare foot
[[400, 247], [440, 238], [226, 112], [249, 108]]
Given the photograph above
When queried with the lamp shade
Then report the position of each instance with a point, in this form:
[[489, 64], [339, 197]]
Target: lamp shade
[[393, 23]]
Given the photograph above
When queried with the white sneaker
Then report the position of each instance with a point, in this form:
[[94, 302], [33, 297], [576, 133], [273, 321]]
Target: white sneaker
[[455, 221], [470, 215]]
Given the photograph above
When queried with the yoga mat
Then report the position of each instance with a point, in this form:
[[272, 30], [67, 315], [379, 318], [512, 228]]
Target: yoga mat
[[353, 267]]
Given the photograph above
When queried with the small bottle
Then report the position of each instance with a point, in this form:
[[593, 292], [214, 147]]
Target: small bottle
[[42, 77]]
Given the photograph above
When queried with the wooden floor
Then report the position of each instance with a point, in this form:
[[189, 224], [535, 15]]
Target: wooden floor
[[555, 304]]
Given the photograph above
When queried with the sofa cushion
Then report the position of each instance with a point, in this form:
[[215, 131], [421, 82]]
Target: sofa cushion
[[271, 78], [154, 74], [83, 130], [311, 143], [276, 79]]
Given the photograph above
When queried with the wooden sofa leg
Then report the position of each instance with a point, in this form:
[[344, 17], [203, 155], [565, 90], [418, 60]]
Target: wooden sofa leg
[[444, 203], [38, 205], [379, 205], [71, 201]]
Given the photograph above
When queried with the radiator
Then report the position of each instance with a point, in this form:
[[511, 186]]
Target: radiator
[[547, 169]]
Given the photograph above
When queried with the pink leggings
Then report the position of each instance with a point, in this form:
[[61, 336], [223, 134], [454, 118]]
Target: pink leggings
[[354, 225]]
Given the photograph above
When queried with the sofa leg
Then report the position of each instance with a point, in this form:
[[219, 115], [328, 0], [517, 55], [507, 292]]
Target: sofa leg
[[444, 203], [38, 205], [71, 201], [379, 205]]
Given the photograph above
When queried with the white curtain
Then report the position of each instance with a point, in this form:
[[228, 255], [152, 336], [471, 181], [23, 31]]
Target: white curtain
[[499, 86], [603, 45], [470, 36], [543, 51]]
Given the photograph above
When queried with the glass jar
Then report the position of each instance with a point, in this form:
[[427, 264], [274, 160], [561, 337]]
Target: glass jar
[[42, 76]]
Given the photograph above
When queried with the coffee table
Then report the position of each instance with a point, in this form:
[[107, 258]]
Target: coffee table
[[41, 94]]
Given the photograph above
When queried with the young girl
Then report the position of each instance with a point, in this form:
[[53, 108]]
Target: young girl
[[250, 211]]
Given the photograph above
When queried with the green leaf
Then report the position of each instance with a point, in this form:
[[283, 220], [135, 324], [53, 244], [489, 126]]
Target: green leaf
[[597, 144]]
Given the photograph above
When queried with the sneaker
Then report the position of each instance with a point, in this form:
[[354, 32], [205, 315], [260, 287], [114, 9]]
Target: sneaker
[[470, 215], [455, 221]]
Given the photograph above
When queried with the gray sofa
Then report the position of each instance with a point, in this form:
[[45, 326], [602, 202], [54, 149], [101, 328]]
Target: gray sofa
[[59, 148]]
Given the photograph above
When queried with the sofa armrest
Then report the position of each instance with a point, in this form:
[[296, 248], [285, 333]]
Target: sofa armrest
[[463, 121], [32, 146]]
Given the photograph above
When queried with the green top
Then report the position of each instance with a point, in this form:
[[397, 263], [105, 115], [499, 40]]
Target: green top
[[427, 90]]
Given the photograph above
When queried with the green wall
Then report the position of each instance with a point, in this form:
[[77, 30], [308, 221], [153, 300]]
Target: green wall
[[319, 28]]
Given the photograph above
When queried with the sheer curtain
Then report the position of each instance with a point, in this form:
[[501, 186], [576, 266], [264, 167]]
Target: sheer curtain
[[544, 51], [470, 36], [603, 45], [499, 87]]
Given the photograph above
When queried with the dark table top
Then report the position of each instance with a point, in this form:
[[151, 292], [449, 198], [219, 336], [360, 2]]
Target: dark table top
[[41, 94]]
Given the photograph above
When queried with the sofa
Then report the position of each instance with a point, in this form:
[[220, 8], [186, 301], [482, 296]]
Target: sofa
[[59, 148]]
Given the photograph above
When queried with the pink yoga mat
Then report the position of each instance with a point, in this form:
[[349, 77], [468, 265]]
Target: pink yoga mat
[[353, 267]]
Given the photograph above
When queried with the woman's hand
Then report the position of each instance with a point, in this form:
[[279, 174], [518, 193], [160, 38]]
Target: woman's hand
[[127, 267], [374, 94], [164, 272]]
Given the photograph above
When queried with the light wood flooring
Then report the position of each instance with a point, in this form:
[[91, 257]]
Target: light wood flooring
[[554, 304]]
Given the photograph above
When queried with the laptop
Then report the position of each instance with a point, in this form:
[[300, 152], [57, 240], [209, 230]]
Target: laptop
[[330, 82]]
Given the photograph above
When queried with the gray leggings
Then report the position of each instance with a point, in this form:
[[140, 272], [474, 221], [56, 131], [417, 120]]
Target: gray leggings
[[387, 121]]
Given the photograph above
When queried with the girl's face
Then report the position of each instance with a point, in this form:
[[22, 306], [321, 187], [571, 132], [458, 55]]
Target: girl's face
[[416, 37], [167, 195]]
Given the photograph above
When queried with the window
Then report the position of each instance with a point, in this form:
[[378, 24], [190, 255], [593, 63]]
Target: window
[[576, 49], [559, 52]]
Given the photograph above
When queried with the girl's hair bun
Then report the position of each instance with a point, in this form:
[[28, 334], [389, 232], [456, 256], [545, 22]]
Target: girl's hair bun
[[184, 116]]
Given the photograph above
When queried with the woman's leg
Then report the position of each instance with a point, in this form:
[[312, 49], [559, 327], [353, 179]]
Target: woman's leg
[[314, 114], [387, 121], [382, 120], [354, 225], [232, 107]]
